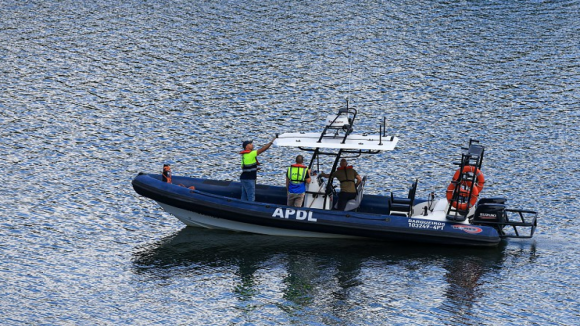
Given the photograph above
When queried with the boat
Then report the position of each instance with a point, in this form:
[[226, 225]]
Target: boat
[[462, 217]]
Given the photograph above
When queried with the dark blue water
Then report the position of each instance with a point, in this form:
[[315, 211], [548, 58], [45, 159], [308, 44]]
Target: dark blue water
[[93, 92]]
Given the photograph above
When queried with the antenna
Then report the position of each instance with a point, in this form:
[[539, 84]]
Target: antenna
[[384, 126], [383, 131], [349, 74]]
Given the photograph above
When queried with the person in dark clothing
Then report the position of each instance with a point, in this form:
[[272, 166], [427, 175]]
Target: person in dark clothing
[[166, 174], [349, 180]]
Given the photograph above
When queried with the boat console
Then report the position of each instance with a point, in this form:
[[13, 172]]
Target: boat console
[[316, 196]]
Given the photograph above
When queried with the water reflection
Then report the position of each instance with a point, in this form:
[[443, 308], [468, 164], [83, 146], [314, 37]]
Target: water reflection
[[335, 274], [466, 276]]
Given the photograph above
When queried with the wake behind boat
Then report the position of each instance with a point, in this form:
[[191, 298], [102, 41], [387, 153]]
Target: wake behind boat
[[460, 218]]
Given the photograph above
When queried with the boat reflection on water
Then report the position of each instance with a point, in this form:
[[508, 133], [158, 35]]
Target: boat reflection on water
[[467, 274], [312, 272]]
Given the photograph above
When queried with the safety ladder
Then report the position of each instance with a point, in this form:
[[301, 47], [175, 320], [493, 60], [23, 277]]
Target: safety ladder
[[463, 190]]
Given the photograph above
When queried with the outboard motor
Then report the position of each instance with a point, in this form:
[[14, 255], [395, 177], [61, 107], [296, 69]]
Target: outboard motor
[[495, 200], [489, 213], [492, 212]]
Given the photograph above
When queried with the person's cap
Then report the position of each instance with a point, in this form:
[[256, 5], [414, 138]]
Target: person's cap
[[246, 143]]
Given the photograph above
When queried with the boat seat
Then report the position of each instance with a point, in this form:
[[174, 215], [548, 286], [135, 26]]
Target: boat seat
[[353, 204], [403, 206]]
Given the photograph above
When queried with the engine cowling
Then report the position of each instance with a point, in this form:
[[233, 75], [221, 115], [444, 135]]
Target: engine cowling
[[490, 213]]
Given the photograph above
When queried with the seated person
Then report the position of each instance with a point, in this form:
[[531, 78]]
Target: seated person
[[166, 176], [349, 180]]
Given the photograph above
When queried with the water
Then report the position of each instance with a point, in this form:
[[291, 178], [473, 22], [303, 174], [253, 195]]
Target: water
[[93, 92]]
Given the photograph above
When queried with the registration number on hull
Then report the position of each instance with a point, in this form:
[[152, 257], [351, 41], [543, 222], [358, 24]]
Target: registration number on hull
[[422, 224]]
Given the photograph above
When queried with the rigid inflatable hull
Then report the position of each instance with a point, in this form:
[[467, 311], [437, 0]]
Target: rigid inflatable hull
[[215, 204]]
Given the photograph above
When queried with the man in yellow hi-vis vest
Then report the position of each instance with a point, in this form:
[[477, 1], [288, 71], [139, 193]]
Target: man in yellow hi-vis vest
[[250, 169], [297, 177]]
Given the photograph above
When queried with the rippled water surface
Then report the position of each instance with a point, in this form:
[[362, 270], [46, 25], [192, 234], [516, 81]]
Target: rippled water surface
[[93, 92]]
